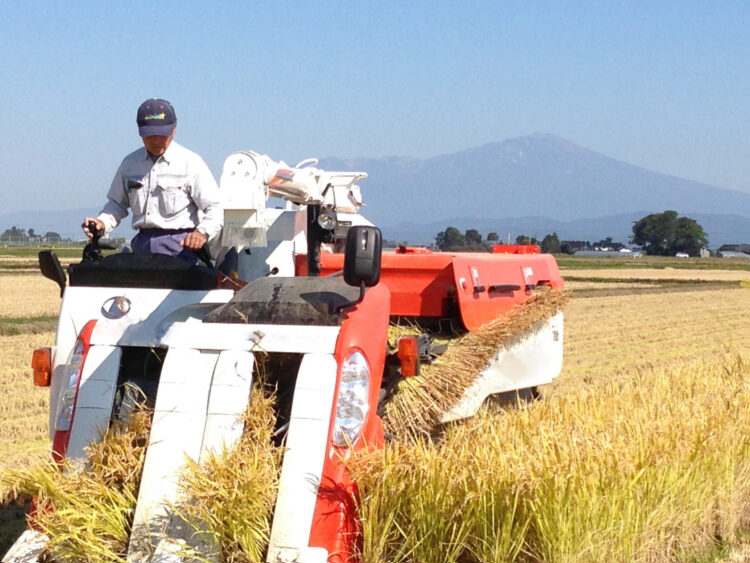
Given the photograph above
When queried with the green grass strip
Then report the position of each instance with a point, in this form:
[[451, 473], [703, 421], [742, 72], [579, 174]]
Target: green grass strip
[[13, 326]]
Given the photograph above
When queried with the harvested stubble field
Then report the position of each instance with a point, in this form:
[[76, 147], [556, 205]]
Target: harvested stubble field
[[613, 344]]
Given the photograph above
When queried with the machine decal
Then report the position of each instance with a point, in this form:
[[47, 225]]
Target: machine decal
[[116, 307]]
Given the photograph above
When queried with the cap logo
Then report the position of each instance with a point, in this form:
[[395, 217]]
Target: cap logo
[[155, 116]]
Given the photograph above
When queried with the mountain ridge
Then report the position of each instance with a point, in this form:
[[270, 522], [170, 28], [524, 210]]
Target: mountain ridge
[[534, 185], [540, 174]]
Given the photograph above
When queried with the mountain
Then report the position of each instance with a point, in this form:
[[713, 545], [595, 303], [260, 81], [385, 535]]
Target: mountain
[[530, 185], [534, 176]]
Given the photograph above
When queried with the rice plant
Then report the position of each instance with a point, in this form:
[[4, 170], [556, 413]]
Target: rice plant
[[639, 470], [86, 509]]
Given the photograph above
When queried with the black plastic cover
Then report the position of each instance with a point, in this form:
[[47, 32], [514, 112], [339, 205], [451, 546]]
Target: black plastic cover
[[141, 270], [292, 301]]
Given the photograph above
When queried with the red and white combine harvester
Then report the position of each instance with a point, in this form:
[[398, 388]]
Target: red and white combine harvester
[[188, 336]]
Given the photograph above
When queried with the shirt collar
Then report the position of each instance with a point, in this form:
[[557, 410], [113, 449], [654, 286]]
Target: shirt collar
[[166, 156]]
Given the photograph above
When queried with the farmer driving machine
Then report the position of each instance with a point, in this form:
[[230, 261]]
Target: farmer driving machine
[[305, 292]]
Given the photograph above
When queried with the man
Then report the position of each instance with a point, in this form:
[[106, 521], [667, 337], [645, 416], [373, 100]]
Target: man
[[173, 196]]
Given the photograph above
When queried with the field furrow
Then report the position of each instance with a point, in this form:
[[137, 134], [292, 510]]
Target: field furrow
[[607, 337]]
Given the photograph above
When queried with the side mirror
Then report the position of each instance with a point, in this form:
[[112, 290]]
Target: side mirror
[[51, 269], [362, 256]]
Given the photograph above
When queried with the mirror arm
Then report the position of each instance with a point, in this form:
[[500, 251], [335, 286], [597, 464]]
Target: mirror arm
[[362, 289]]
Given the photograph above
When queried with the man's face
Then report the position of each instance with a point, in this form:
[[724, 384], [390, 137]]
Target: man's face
[[157, 144]]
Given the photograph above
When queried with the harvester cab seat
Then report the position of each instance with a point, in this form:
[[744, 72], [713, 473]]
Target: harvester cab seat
[[126, 269]]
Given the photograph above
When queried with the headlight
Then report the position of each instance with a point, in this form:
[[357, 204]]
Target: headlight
[[327, 219], [352, 404], [72, 370]]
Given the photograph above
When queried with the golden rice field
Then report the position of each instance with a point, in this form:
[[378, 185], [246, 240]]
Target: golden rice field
[[28, 295], [23, 412], [661, 274], [637, 454]]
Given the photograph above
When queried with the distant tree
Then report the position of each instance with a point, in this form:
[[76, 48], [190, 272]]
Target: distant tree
[[609, 243], [14, 233], [52, 236], [449, 238], [689, 237], [493, 237], [472, 237], [566, 248], [551, 244], [523, 239], [665, 234]]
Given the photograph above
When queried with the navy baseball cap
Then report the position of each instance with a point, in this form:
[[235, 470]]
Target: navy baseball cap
[[156, 117]]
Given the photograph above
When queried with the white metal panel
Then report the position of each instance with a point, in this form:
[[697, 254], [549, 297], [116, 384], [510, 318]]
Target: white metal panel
[[228, 398], [82, 304], [168, 551], [176, 431], [533, 360], [298, 555], [27, 548], [141, 326], [270, 338], [302, 466], [96, 393]]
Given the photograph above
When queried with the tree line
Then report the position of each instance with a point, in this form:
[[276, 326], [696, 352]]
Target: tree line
[[471, 241], [662, 234], [14, 234]]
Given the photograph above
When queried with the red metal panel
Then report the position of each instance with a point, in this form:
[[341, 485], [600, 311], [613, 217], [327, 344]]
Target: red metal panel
[[490, 285], [335, 522], [483, 285], [419, 283]]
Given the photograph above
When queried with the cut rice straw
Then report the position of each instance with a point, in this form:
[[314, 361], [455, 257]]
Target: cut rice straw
[[419, 402]]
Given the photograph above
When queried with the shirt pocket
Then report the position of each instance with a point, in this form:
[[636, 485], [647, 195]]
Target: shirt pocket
[[137, 192], [174, 194]]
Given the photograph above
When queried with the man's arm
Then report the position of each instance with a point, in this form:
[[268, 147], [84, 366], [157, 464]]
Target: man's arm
[[114, 210], [207, 197]]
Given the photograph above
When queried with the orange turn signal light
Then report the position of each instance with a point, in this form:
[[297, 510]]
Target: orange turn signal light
[[408, 355], [41, 363]]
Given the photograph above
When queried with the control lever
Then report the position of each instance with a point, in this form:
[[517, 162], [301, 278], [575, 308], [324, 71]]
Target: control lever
[[93, 250], [204, 254]]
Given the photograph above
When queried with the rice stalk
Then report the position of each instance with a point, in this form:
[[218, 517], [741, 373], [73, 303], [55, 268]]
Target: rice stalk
[[653, 468], [86, 509]]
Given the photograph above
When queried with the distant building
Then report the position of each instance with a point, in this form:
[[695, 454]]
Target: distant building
[[744, 248], [734, 251]]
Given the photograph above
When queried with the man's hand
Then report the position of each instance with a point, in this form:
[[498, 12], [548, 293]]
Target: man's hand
[[99, 226], [194, 240]]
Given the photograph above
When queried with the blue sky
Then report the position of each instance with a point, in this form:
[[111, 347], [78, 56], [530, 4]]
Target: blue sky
[[664, 85]]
